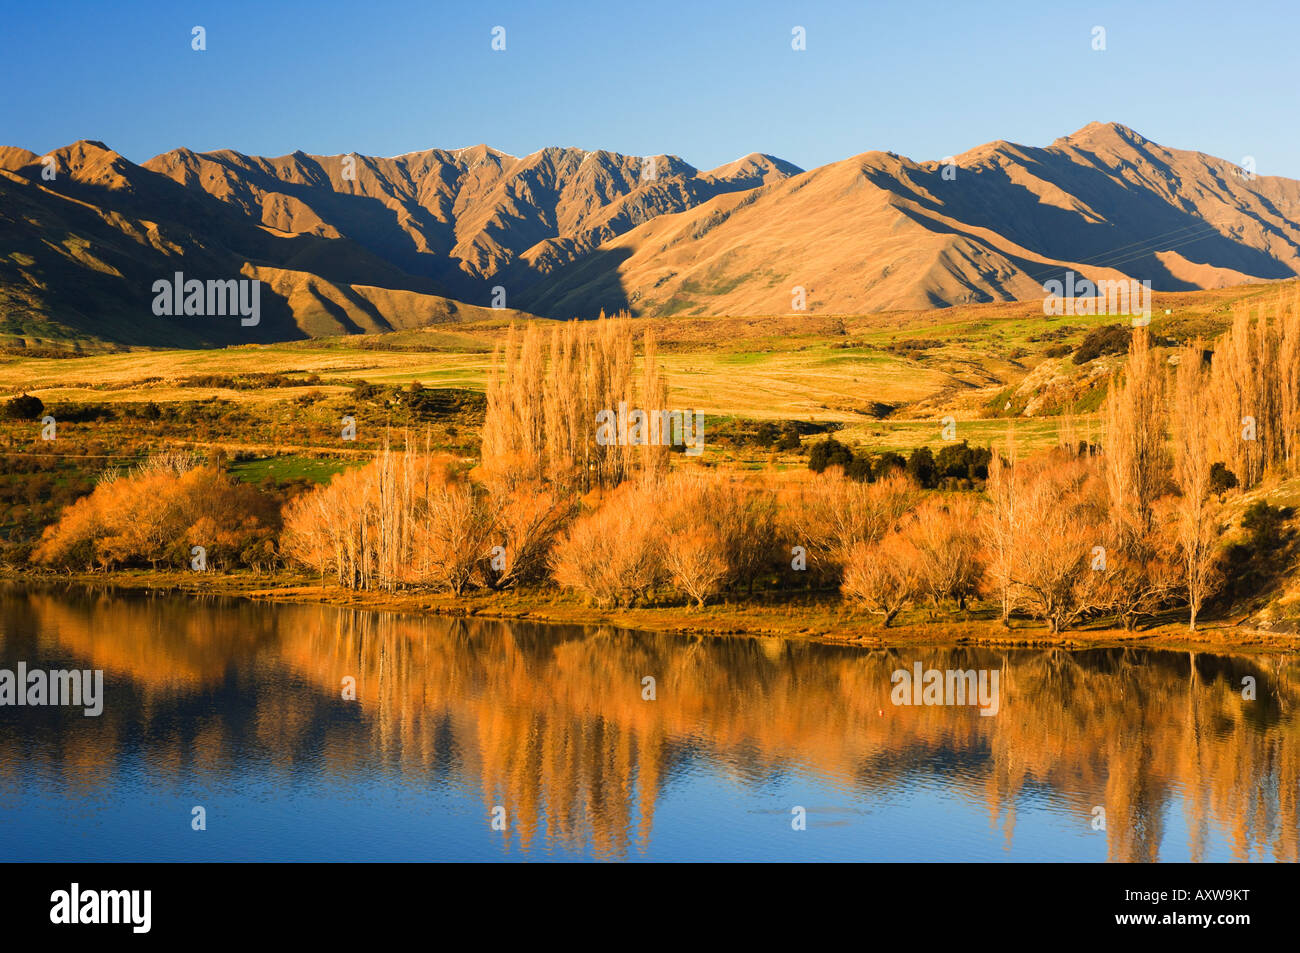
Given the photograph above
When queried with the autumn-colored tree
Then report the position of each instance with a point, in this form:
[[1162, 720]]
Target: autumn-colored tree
[[325, 529], [1241, 377], [748, 519], [943, 532], [156, 513], [515, 425], [1000, 527], [714, 532], [1135, 461], [1060, 521], [695, 531], [835, 514], [883, 576], [403, 519], [1197, 524], [526, 520], [542, 406], [1137, 577], [694, 560], [653, 394], [1288, 364], [613, 553], [452, 535]]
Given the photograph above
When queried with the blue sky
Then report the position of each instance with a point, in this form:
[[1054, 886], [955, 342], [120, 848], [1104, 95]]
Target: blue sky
[[709, 81]]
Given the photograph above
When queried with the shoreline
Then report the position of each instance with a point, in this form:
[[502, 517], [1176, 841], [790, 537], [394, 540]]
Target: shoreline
[[809, 617]]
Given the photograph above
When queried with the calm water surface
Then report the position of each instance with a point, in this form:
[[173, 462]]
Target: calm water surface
[[238, 707]]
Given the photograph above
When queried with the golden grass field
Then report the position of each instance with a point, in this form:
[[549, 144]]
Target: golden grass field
[[805, 367]]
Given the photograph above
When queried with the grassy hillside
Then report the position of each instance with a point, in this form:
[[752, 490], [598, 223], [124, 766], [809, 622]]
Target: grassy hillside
[[879, 374]]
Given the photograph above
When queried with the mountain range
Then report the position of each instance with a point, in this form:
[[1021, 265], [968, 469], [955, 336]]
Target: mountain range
[[352, 243]]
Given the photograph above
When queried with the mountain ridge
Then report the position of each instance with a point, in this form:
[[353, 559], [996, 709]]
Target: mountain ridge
[[566, 232]]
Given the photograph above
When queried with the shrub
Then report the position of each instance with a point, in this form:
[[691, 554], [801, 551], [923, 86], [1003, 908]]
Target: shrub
[[1222, 479], [963, 462], [1111, 339], [1265, 524], [829, 453], [766, 434], [24, 407], [889, 464], [920, 466], [860, 469]]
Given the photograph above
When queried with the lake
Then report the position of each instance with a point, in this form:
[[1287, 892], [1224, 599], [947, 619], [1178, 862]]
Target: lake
[[318, 733]]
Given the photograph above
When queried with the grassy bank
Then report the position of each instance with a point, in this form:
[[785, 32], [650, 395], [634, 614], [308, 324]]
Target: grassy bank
[[814, 616]]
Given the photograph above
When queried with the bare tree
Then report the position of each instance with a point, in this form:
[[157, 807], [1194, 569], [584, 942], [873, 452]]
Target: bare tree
[[838, 513], [541, 410], [1060, 520], [1135, 462], [883, 576], [1000, 527], [613, 554], [1197, 525], [944, 534]]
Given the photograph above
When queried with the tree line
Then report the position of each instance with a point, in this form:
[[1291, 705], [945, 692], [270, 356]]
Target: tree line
[[1124, 529]]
